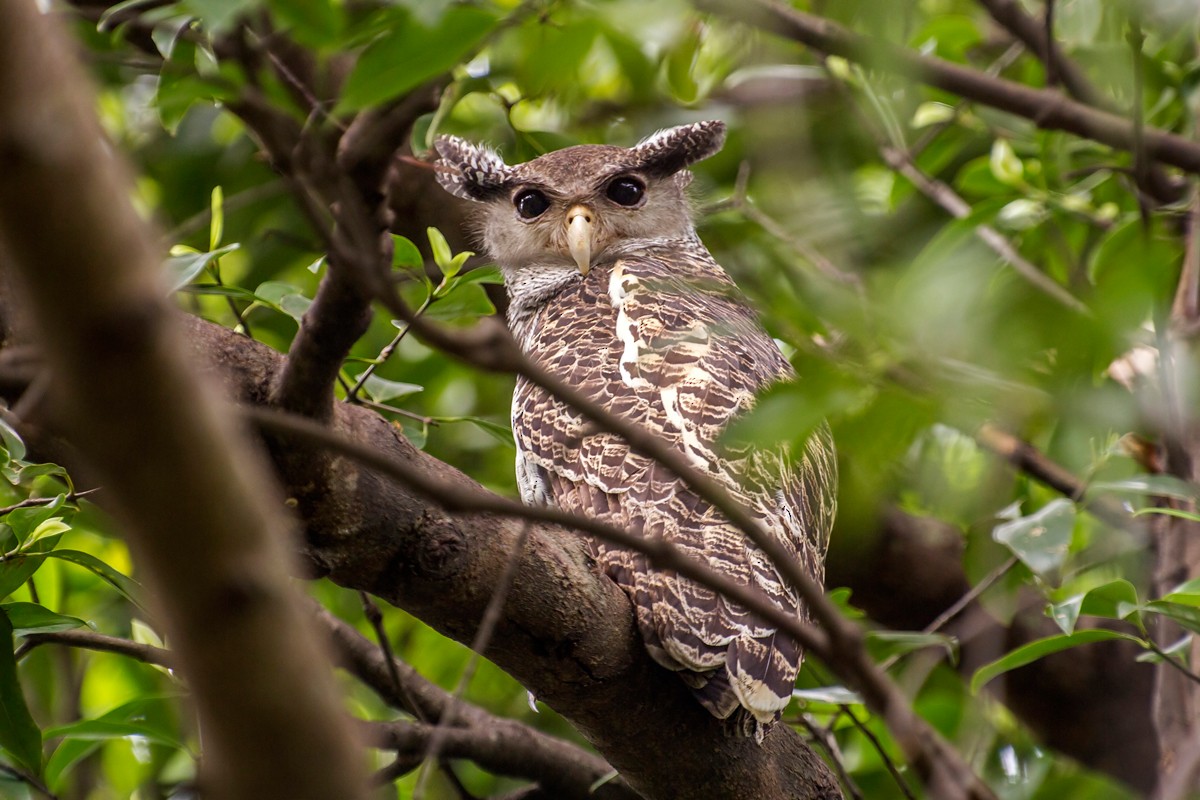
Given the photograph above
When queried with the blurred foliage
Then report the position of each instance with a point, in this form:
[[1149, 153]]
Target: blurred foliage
[[906, 330]]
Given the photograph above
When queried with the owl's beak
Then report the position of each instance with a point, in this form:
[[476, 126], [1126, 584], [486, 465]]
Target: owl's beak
[[579, 237]]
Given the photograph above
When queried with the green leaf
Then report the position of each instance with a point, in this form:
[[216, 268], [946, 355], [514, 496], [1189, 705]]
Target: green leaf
[[442, 255], [294, 305], [501, 433], [834, 695], [1113, 600], [932, 113], [1005, 165], [119, 581], [51, 527], [464, 303], [681, 67], [312, 22], [382, 390], [410, 53], [487, 274], [883, 644], [271, 292], [283, 297], [34, 618], [24, 521], [218, 15], [1042, 539], [19, 735], [1186, 614], [1027, 654], [1152, 485], [405, 254], [415, 430], [1180, 513], [183, 268], [98, 730], [180, 85], [216, 226], [150, 717], [12, 441], [453, 268], [16, 570]]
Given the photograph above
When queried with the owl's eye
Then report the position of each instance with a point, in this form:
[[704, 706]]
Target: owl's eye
[[626, 191], [531, 204]]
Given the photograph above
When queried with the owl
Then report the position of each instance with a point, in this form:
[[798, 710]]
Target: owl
[[612, 291]]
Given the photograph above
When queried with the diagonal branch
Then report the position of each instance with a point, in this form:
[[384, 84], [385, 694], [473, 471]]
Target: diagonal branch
[[491, 347], [1046, 108], [567, 633]]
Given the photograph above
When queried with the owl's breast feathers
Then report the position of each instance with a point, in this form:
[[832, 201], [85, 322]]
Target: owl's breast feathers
[[662, 337]]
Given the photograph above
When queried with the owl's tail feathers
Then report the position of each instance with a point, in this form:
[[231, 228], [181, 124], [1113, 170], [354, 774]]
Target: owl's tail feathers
[[762, 674]]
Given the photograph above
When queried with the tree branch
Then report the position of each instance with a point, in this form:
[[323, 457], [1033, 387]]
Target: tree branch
[[1045, 108], [574, 645], [164, 442], [89, 640]]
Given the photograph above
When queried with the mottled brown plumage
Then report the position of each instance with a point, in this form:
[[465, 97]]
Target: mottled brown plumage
[[612, 291]]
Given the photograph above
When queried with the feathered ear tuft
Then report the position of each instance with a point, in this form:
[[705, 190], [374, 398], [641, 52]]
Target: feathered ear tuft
[[469, 171], [669, 151]]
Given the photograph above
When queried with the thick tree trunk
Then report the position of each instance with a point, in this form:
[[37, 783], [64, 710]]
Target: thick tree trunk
[[202, 513]]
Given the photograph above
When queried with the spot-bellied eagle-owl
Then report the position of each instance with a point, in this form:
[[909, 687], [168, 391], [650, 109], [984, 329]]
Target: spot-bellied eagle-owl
[[613, 292]]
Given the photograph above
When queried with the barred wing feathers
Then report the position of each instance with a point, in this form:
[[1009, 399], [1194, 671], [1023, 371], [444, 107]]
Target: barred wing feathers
[[663, 338]]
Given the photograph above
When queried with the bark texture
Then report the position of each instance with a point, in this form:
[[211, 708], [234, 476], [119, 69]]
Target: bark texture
[[161, 439]]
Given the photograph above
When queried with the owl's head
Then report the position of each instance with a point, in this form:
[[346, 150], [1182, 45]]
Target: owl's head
[[573, 205]]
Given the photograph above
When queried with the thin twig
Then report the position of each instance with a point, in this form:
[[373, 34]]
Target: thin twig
[[45, 501], [28, 779], [879, 748], [90, 640], [945, 196], [825, 740], [480, 642], [956, 608], [375, 619], [385, 353]]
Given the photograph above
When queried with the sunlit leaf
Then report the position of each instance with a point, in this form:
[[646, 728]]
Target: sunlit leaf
[[122, 583], [216, 226], [1005, 165], [442, 255], [33, 618]]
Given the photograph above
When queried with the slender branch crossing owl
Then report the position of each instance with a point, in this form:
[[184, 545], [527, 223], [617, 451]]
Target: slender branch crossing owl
[[613, 292]]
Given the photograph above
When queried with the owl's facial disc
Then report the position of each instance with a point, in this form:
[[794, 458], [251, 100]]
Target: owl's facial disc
[[579, 236]]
